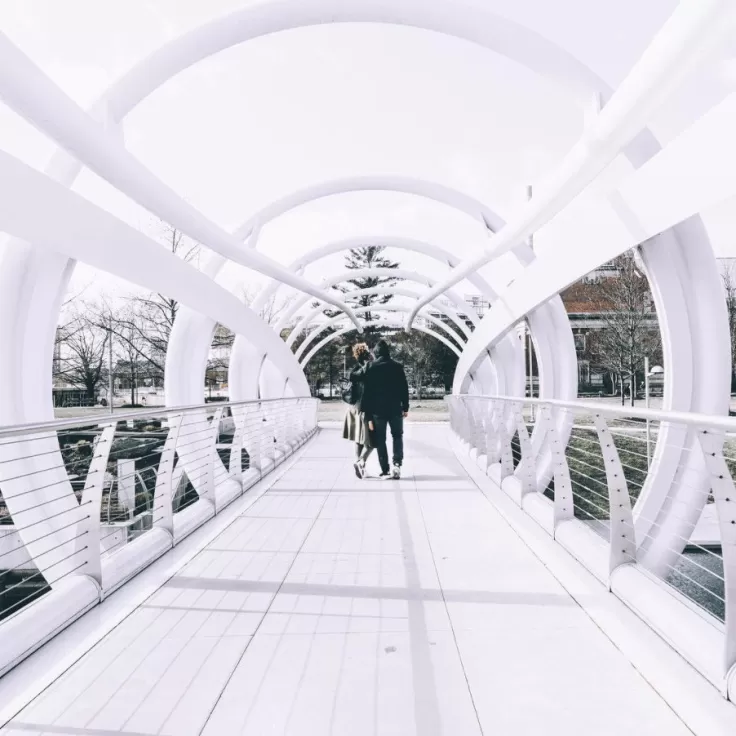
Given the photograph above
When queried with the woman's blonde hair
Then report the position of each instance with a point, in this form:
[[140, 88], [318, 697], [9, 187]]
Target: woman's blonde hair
[[360, 351]]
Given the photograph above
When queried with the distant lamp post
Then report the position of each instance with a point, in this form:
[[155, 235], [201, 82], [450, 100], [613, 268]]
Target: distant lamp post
[[345, 361], [656, 370]]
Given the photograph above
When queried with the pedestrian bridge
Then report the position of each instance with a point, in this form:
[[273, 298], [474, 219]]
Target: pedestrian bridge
[[545, 565], [318, 603]]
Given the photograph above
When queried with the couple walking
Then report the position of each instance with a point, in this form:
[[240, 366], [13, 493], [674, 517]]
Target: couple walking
[[379, 399]]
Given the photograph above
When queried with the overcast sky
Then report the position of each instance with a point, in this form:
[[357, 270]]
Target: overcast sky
[[260, 120]]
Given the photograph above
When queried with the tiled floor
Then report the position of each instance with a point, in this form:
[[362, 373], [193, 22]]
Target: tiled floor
[[347, 607]]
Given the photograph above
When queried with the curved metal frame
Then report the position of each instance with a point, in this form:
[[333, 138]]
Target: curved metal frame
[[308, 318], [321, 327], [396, 323]]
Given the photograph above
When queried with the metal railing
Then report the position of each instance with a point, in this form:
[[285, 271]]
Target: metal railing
[[629, 492], [98, 499]]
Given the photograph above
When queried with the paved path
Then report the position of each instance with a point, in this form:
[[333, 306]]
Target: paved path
[[335, 606]]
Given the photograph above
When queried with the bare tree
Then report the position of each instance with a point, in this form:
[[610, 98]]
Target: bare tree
[[69, 325], [630, 329], [728, 274], [80, 359], [132, 363], [143, 328], [275, 306]]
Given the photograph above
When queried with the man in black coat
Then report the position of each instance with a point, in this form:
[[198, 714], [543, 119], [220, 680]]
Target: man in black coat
[[386, 403]]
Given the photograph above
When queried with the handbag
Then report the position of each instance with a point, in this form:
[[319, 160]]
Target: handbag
[[346, 390]]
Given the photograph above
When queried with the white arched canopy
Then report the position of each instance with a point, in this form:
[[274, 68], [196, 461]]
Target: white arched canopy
[[458, 342], [51, 227], [389, 323], [452, 315]]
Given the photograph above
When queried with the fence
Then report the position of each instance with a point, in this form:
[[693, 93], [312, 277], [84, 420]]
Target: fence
[[88, 503], [644, 499]]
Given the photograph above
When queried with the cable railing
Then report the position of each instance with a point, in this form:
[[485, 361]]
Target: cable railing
[[87, 503], [645, 499]]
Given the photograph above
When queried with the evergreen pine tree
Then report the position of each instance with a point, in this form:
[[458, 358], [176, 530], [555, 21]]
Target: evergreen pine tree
[[368, 256]]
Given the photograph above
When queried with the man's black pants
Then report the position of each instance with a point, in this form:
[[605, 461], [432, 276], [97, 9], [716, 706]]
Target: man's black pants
[[396, 423]]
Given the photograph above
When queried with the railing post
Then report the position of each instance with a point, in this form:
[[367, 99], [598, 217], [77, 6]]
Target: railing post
[[485, 410], [209, 490], [296, 424], [268, 436], [622, 536], [563, 500], [163, 494], [724, 493], [475, 430], [451, 406], [292, 427], [254, 438], [526, 468], [315, 414], [235, 462], [278, 432], [88, 529], [506, 435], [275, 421], [494, 440], [459, 419], [467, 424]]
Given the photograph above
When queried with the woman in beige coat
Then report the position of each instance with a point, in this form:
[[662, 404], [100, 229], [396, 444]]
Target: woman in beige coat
[[355, 426]]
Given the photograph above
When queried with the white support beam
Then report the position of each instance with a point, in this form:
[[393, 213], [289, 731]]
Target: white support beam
[[30, 93], [693, 31], [79, 229]]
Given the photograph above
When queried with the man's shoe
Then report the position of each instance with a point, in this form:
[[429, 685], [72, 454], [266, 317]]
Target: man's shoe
[[359, 469], [385, 475], [396, 472]]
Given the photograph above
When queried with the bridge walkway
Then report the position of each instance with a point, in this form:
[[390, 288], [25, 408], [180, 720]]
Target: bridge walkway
[[337, 606]]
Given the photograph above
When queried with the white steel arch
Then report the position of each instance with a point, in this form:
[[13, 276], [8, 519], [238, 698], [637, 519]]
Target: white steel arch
[[415, 245], [431, 190], [197, 342], [322, 326], [308, 319], [395, 323], [401, 243]]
